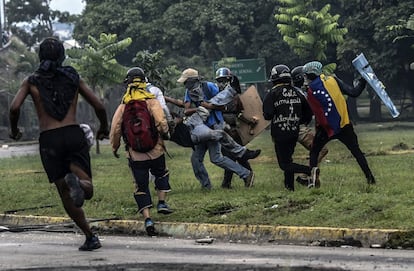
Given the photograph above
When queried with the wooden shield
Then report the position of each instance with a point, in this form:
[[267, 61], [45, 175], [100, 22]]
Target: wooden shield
[[251, 121]]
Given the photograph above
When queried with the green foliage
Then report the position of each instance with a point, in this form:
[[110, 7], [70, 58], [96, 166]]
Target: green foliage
[[226, 61], [26, 63], [410, 22], [343, 190], [184, 30], [38, 15], [16, 62], [308, 32], [369, 22], [401, 28], [96, 62], [155, 69], [329, 68]]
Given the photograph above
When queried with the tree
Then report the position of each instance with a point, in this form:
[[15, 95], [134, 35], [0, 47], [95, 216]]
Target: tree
[[96, 61], [97, 64], [308, 32], [35, 15], [404, 34], [17, 62], [32, 21], [157, 73], [190, 32], [367, 22]]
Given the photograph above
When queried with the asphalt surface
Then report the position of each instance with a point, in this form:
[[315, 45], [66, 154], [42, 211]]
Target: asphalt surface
[[322, 236], [11, 150], [13, 226], [58, 251]]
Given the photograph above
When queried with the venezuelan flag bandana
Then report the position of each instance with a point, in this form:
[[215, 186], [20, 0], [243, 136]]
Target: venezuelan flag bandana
[[328, 104], [137, 90]]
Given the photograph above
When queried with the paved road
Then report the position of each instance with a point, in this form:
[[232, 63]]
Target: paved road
[[58, 251], [7, 151]]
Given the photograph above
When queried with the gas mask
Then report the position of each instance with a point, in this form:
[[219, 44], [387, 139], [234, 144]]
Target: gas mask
[[222, 83]]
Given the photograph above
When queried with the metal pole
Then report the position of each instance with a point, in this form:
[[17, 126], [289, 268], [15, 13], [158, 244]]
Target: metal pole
[[1, 22]]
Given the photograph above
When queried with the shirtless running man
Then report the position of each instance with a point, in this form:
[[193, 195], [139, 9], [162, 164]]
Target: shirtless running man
[[63, 147]]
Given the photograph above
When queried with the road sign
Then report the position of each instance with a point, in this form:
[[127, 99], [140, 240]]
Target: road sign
[[247, 70]]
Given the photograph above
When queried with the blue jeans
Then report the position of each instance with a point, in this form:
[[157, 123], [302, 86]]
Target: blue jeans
[[200, 132], [217, 158]]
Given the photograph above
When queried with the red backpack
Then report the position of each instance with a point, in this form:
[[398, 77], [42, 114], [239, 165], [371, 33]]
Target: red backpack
[[138, 127]]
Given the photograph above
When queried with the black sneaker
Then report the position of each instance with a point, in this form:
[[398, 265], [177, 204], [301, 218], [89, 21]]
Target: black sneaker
[[91, 243], [149, 227], [251, 154], [302, 181], [249, 180], [226, 185], [76, 192], [371, 180]]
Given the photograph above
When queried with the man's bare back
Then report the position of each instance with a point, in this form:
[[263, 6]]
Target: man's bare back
[[47, 122]]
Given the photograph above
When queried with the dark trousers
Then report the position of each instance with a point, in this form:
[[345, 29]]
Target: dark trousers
[[284, 149], [348, 137], [140, 170]]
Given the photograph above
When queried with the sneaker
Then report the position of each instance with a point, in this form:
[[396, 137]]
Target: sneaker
[[315, 182], [149, 227], [371, 180], [251, 154], [76, 192], [302, 181], [226, 185], [290, 188], [91, 243], [206, 187], [163, 208], [249, 180]]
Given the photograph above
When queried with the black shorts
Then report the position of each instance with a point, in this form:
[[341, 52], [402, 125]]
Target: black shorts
[[62, 146]]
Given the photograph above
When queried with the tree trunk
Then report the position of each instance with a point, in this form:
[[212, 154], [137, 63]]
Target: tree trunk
[[375, 109], [98, 149]]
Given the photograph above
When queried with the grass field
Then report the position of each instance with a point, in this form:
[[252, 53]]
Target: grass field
[[344, 199]]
